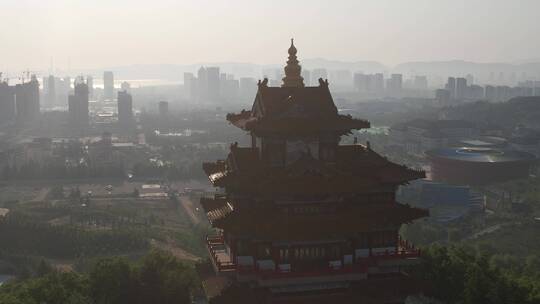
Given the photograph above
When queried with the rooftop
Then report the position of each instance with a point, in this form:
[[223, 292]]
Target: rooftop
[[487, 155]]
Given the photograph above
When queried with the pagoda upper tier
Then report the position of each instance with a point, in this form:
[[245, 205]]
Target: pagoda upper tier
[[356, 168], [292, 111]]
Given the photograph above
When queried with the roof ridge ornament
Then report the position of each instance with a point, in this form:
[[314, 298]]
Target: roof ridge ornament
[[323, 82], [263, 83], [293, 70]]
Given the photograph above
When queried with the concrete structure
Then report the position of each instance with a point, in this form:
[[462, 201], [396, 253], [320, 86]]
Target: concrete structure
[[163, 108], [125, 110], [27, 100], [108, 85], [78, 107], [7, 103], [461, 88], [213, 84], [479, 166]]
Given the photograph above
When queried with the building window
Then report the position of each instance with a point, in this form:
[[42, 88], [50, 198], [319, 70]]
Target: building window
[[296, 148], [263, 252], [284, 255]]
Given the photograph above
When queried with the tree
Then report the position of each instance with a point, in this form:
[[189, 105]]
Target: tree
[[111, 281]]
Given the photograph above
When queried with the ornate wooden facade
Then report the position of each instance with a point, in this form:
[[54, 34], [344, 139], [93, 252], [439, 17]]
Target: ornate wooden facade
[[304, 217]]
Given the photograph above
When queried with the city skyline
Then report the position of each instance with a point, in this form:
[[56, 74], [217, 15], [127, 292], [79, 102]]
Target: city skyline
[[75, 34]]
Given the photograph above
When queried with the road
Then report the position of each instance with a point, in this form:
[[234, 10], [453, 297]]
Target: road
[[188, 206], [485, 231]]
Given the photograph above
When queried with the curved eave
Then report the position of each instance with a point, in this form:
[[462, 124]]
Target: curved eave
[[216, 172], [296, 125], [400, 174], [304, 227]]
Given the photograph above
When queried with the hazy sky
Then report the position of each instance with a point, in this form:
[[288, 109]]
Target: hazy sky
[[101, 33]]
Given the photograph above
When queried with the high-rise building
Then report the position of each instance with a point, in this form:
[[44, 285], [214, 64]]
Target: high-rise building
[[341, 78], [27, 100], [190, 86], [213, 79], [470, 79], [163, 108], [202, 84], [361, 82], [90, 84], [476, 92], [442, 96], [461, 88], [248, 87], [320, 222], [67, 84], [451, 87], [51, 91], [230, 88], [420, 82], [125, 109], [377, 83], [108, 85], [78, 106], [395, 85], [7, 103], [490, 93]]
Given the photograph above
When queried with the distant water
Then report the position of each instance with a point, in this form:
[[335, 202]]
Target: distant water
[[137, 83]]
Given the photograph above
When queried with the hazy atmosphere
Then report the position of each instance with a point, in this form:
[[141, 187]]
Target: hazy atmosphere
[[100, 34], [269, 152]]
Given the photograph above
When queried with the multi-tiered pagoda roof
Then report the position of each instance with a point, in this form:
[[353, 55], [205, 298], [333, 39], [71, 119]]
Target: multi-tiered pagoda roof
[[355, 167]]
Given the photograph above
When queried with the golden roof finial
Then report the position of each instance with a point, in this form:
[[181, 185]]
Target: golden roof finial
[[292, 48], [293, 69]]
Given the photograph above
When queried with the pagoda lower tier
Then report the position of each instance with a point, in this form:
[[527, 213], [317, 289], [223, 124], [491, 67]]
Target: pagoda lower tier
[[312, 272], [305, 247]]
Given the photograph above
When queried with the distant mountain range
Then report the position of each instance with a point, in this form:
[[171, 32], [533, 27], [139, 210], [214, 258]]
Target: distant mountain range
[[240, 69]]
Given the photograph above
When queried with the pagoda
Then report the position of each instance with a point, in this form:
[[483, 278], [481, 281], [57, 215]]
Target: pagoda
[[301, 218]]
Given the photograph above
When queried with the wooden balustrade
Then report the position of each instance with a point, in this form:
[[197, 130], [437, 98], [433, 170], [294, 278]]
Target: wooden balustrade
[[216, 244]]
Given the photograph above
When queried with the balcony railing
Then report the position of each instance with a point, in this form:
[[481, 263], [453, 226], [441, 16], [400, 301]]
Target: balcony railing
[[223, 262], [281, 274], [219, 255]]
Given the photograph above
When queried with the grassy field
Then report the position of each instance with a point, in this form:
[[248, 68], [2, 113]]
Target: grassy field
[[111, 221]]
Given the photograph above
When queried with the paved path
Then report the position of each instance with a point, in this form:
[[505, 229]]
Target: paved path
[[485, 231], [188, 206]]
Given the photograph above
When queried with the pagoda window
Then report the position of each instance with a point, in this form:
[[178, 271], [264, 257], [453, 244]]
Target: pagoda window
[[263, 251], [295, 149], [310, 253], [284, 255]]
